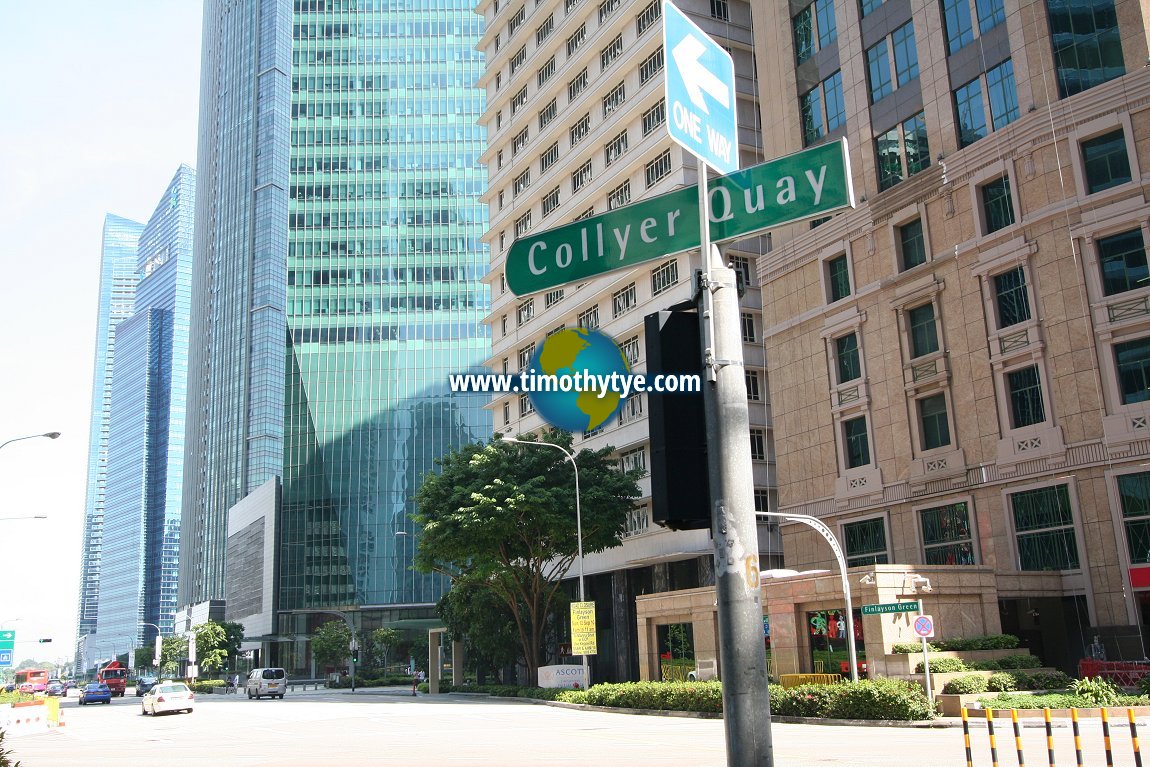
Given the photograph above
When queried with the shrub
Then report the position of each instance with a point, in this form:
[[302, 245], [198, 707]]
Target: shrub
[[988, 642], [804, 700], [1003, 682], [966, 685], [206, 685], [985, 665], [1144, 685], [1019, 661], [909, 648], [704, 697], [881, 699], [1099, 691], [942, 666], [572, 696], [1048, 680], [1051, 700], [5, 754]]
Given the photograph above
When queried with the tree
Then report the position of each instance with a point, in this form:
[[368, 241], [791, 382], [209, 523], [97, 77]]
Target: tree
[[330, 643], [482, 621], [172, 654], [383, 641], [142, 656], [211, 645], [234, 639], [501, 517]]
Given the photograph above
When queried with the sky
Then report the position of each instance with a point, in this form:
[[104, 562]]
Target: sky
[[98, 109]]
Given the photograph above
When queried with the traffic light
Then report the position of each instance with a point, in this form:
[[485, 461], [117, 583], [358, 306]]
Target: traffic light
[[43, 641], [355, 655]]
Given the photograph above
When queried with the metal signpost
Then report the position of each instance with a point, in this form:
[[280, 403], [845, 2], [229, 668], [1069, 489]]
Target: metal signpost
[[924, 628]]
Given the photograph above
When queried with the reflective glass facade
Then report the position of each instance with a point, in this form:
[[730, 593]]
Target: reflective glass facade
[[379, 263], [117, 295]]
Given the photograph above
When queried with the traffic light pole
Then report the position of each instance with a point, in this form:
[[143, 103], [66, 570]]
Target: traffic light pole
[[746, 707]]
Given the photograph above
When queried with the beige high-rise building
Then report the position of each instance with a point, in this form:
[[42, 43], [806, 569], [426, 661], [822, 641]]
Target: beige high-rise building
[[960, 366], [576, 126]]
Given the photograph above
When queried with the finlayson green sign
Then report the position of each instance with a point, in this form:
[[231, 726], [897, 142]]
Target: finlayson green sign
[[808, 183]]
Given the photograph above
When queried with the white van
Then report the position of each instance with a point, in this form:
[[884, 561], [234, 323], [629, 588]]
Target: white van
[[267, 681]]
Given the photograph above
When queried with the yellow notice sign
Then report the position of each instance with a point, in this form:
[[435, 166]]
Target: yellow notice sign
[[583, 628]]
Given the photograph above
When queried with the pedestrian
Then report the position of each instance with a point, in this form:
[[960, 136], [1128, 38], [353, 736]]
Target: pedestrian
[[416, 679], [236, 683]]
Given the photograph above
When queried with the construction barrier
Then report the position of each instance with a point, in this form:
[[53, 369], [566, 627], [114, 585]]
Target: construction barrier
[[24, 718], [1107, 741]]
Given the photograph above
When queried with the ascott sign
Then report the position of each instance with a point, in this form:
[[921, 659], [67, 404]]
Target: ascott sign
[[807, 183]]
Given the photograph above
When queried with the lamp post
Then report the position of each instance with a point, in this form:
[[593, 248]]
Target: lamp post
[[578, 528], [826, 533], [49, 435], [159, 643]]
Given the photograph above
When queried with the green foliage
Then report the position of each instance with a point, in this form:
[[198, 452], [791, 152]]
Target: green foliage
[[142, 656], [6, 759], [15, 697], [804, 700], [1045, 680], [330, 643], [1099, 691], [661, 696], [233, 639], [500, 516], [1019, 661], [383, 641], [910, 648], [886, 699], [483, 620], [1144, 685], [173, 651], [984, 665], [988, 642], [1004, 682], [206, 685], [1052, 700], [942, 666], [968, 685], [211, 645]]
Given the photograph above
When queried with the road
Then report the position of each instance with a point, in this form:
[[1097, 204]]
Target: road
[[326, 729]]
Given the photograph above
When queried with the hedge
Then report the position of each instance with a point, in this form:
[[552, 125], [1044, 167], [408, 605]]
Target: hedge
[[958, 644], [1052, 700], [966, 685], [942, 666], [207, 685], [1003, 682]]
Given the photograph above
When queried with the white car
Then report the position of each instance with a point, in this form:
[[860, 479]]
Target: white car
[[168, 696]]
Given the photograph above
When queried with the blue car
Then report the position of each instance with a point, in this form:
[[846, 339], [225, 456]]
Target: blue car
[[96, 692]]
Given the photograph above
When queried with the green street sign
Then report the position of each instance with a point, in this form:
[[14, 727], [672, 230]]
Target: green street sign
[[7, 640], [891, 607], [747, 202]]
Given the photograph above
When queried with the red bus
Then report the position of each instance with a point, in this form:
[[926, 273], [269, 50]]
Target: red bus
[[36, 677]]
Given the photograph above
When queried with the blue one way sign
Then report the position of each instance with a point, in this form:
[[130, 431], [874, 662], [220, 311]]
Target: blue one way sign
[[700, 87]]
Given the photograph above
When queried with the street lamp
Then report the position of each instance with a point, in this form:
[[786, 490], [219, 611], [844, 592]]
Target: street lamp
[[578, 527], [826, 533], [36, 516], [49, 435], [159, 643]]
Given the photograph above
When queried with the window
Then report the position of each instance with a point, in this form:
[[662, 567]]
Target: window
[[1105, 162], [1044, 529], [506, 413], [549, 157], [747, 325], [946, 535], [518, 100], [814, 28], [742, 267], [614, 149], [634, 460], [1134, 495], [555, 330], [519, 59], [525, 355], [1025, 392], [971, 116], [911, 244], [923, 332], [547, 114], [623, 301], [526, 312], [838, 278], [758, 445], [847, 363], [499, 119], [569, 4], [647, 17], [514, 22], [823, 109], [959, 27], [654, 117], [855, 442], [575, 40], [1122, 258], [544, 30], [997, 204], [611, 52], [878, 71], [522, 224], [658, 168], [932, 418], [632, 408], [865, 542], [751, 377], [585, 214], [905, 54], [664, 277], [606, 8], [546, 71], [719, 10], [902, 151], [630, 349], [1003, 95], [577, 85], [503, 324], [619, 196], [580, 129], [1087, 44], [1011, 297], [550, 201], [522, 181], [525, 405], [651, 66], [870, 6], [614, 99], [589, 319], [552, 297], [1133, 360], [581, 176], [518, 142]]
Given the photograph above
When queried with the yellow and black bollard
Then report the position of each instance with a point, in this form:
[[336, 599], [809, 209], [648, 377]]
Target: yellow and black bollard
[[1017, 737], [990, 732], [1134, 737], [1077, 737], [966, 737], [1106, 737], [1049, 737]]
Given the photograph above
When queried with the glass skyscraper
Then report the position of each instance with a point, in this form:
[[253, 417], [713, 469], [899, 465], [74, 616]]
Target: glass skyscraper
[[137, 578], [338, 285], [117, 295]]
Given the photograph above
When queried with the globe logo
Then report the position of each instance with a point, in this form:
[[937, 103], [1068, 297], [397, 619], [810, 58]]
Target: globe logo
[[574, 354]]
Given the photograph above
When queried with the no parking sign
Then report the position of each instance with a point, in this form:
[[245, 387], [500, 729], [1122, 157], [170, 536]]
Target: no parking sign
[[924, 626]]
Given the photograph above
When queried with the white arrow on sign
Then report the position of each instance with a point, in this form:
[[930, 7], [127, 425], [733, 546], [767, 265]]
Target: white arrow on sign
[[696, 77]]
